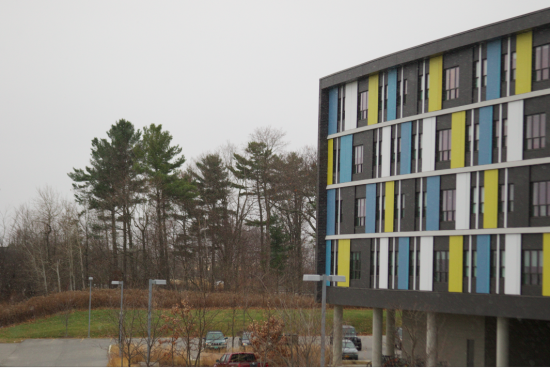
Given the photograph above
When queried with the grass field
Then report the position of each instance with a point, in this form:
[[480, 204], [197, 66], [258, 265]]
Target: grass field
[[104, 323]]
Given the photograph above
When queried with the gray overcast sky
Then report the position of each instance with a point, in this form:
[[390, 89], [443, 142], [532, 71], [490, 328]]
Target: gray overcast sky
[[208, 71]]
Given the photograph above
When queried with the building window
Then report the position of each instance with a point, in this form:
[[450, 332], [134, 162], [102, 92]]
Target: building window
[[414, 259], [541, 198], [395, 140], [510, 197], [448, 205], [341, 108], [374, 271], [477, 74], [466, 258], [363, 105], [502, 265], [441, 266], [478, 199], [355, 266], [451, 83], [542, 62], [360, 212], [504, 133], [339, 210], [399, 204], [496, 133], [358, 159], [444, 145], [535, 127], [532, 267], [393, 263], [502, 197], [405, 92], [417, 151], [505, 67]]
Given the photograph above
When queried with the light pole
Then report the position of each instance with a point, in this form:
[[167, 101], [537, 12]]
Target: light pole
[[324, 280], [121, 283], [90, 306], [151, 283]]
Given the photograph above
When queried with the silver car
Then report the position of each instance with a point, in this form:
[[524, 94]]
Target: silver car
[[349, 351]]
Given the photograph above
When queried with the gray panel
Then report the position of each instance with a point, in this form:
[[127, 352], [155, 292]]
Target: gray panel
[[496, 305], [463, 59], [532, 106], [348, 210], [408, 190], [519, 176]]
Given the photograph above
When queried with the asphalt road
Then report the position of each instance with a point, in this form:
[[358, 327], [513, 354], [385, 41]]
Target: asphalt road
[[85, 352], [55, 352]]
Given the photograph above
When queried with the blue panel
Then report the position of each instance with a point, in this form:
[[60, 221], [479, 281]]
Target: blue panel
[[332, 110], [346, 153], [403, 270], [392, 94], [370, 217], [483, 280], [331, 208], [328, 254], [432, 203], [485, 135], [493, 69], [406, 146]]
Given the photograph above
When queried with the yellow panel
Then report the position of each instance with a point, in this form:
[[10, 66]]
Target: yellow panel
[[546, 264], [455, 263], [388, 220], [330, 161], [490, 215], [344, 260], [373, 100], [524, 59], [436, 83], [458, 139]]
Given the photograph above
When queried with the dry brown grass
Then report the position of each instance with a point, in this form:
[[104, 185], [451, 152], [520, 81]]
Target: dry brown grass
[[43, 306], [162, 356]]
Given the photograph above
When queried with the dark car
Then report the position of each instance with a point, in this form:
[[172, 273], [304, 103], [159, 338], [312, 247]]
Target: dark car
[[238, 360], [348, 333]]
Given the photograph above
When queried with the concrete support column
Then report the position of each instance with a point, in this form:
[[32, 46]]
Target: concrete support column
[[390, 332], [377, 337], [431, 340], [502, 342], [337, 336]]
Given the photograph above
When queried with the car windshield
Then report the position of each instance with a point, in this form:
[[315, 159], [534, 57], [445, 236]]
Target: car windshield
[[246, 336], [214, 336], [349, 331], [346, 344]]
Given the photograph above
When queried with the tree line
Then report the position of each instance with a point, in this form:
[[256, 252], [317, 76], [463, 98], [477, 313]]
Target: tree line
[[233, 218]]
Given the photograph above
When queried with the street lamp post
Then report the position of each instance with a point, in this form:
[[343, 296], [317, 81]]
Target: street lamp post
[[151, 283], [324, 280], [121, 283], [90, 306]]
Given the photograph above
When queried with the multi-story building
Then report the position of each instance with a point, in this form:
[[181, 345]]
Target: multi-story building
[[434, 192]]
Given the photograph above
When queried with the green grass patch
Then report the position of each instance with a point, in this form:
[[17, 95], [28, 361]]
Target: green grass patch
[[104, 323]]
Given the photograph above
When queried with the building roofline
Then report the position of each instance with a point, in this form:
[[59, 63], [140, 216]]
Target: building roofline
[[472, 36]]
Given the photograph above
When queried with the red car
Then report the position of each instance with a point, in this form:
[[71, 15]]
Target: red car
[[238, 360]]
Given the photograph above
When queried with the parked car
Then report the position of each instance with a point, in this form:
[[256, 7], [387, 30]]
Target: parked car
[[238, 360], [245, 338], [348, 333], [349, 352], [215, 340], [399, 338]]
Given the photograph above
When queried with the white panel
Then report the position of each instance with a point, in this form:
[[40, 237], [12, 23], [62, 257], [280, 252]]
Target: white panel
[[350, 121], [428, 144], [514, 150], [386, 150], [426, 263], [512, 283], [383, 283], [463, 201]]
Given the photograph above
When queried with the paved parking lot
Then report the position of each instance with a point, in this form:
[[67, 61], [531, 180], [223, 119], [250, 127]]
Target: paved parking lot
[[55, 352], [85, 352]]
